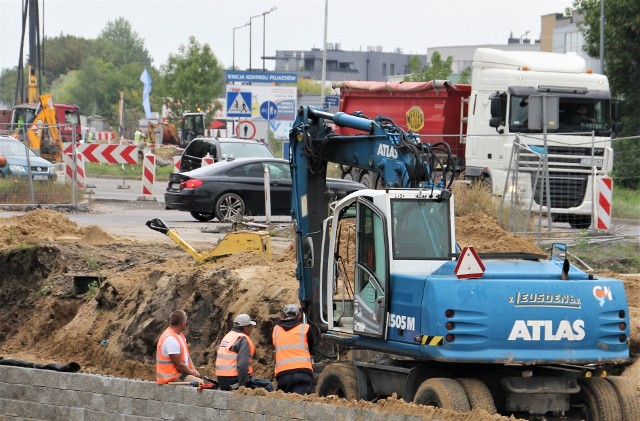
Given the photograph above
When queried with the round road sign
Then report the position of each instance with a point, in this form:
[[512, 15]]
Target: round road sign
[[268, 110], [246, 129]]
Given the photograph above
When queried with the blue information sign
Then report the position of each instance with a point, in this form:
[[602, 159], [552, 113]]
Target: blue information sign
[[261, 77], [268, 110], [332, 99]]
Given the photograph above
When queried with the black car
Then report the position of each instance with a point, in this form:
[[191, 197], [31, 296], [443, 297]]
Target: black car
[[221, 149], [237, 186]]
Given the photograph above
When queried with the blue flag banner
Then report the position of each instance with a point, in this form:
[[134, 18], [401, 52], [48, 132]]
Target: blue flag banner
[[145, 78]]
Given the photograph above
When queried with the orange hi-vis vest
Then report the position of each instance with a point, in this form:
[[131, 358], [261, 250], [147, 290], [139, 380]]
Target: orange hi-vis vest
[[165, 370], [292, 348], [227, 360]]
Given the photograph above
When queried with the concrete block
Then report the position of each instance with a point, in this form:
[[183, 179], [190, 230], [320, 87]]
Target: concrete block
[[139, 407], [188, 413], [111, 403], [48, 378], [125, 405], [217, 399], [168, 410], [17, 375], [194, 397], [45, 395], [139, 389], [347, 413], [415, 418], [212, 414], [168, 393], [93, 383], [154, 409], [12, 390], [90, 415], [318, 411], [243, 416], [118, 387], [282, 408], [68, 381], [373, 415], [10, 407], [76, 414], [70, 398], [246, 402]]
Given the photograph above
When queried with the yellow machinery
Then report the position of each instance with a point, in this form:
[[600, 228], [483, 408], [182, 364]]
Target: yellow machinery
[[42, 133], [233, 242]]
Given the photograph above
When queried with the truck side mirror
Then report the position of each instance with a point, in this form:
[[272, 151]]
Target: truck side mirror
[[616, 110], [496, 110]]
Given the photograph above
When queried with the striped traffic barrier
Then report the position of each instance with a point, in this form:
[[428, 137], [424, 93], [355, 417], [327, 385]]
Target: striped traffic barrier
[[605, 200], [148, 177], [207, 160], [80, 173]]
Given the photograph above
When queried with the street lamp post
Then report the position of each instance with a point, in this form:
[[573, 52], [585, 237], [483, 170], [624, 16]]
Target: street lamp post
[[250, 26], [234, 43], [264, 34]]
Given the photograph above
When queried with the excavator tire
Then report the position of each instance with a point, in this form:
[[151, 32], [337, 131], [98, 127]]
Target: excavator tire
[[340, 380], [597, 400], [629, 402], [442, 393], [479, 395]]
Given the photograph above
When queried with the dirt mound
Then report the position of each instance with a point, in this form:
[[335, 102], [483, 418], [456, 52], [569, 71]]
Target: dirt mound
[[44, 224], [114, 327], [483, 233]]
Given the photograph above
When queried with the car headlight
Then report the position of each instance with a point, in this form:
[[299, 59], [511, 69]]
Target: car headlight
[[17, 168]]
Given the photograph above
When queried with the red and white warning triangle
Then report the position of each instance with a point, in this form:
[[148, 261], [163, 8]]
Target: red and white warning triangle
[[469, 264]]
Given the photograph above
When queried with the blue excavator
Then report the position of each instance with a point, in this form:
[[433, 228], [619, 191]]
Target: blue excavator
[[403, 310]]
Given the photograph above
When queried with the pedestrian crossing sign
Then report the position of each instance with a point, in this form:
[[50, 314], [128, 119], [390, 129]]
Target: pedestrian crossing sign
[[238, 104]]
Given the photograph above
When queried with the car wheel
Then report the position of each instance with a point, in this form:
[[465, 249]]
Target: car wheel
[[228, 206], [202, 217]]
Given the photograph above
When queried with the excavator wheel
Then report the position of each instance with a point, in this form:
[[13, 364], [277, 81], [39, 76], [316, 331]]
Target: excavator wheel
[[340, 380], [629, 403], [442, 393], [597, 400], [479, 395]]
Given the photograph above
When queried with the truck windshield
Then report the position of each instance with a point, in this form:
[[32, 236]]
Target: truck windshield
[[575, 115], [421, 229]]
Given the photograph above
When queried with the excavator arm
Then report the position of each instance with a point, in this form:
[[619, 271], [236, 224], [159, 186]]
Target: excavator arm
[[397, 157]]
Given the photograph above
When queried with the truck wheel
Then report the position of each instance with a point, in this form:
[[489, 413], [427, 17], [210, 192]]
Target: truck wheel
[[442, 393], [202, 217], [581, 222], [340, 380], [597, 400], [228, 206], [479, 395], [629, 403]]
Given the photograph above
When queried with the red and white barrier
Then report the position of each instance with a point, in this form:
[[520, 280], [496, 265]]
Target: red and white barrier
[[68, 170], [207, 160], [105, 136], [176, 164], [148, 174], [106, 154], [605, 199]]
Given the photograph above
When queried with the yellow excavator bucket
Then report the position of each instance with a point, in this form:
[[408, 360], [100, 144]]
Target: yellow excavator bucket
[[233, 242]]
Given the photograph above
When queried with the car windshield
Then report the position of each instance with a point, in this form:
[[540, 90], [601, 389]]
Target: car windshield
[[244, 150], [14, 148], [421, 229]]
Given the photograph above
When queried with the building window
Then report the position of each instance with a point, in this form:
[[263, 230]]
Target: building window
[[392, 69], [384, 68]]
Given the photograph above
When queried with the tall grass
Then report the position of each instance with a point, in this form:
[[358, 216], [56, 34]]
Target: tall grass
[[626, 203], [474, 198], [13, 191]]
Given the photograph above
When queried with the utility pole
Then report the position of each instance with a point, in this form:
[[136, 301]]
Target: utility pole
[[324, 51]]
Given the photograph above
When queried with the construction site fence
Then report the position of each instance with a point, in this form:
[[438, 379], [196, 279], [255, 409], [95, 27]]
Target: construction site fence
[[27, 393]]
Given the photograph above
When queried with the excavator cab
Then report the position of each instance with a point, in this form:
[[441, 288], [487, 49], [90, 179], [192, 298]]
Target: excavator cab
[[192, 127]]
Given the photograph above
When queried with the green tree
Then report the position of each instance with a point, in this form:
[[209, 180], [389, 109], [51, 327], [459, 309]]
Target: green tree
[[193, 79], [465, 77], [119, 44], [310, 87], [414, 65], [622, 67], [8, 79], [63, 54], [439, 69]]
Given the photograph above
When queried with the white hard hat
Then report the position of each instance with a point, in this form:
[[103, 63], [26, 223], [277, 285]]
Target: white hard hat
[[242, 320]]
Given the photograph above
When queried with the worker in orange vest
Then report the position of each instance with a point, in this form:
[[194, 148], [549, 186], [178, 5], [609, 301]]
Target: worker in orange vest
[[173, 361], [293, 339], [235, 355]]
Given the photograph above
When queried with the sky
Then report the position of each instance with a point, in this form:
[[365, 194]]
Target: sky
[[413, 25]]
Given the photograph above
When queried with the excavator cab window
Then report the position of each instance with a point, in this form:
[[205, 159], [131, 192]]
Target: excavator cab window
[[421, 230]]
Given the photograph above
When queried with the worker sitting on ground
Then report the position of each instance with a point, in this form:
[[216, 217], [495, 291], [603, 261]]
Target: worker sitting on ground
[[293, 338], [173, 362], [235, 355]]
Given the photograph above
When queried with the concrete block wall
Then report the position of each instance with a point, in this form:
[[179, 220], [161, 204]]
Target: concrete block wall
[[30, 394]]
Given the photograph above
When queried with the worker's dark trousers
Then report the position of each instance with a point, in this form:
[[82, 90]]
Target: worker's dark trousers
[[300, 383], [229, 383]]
